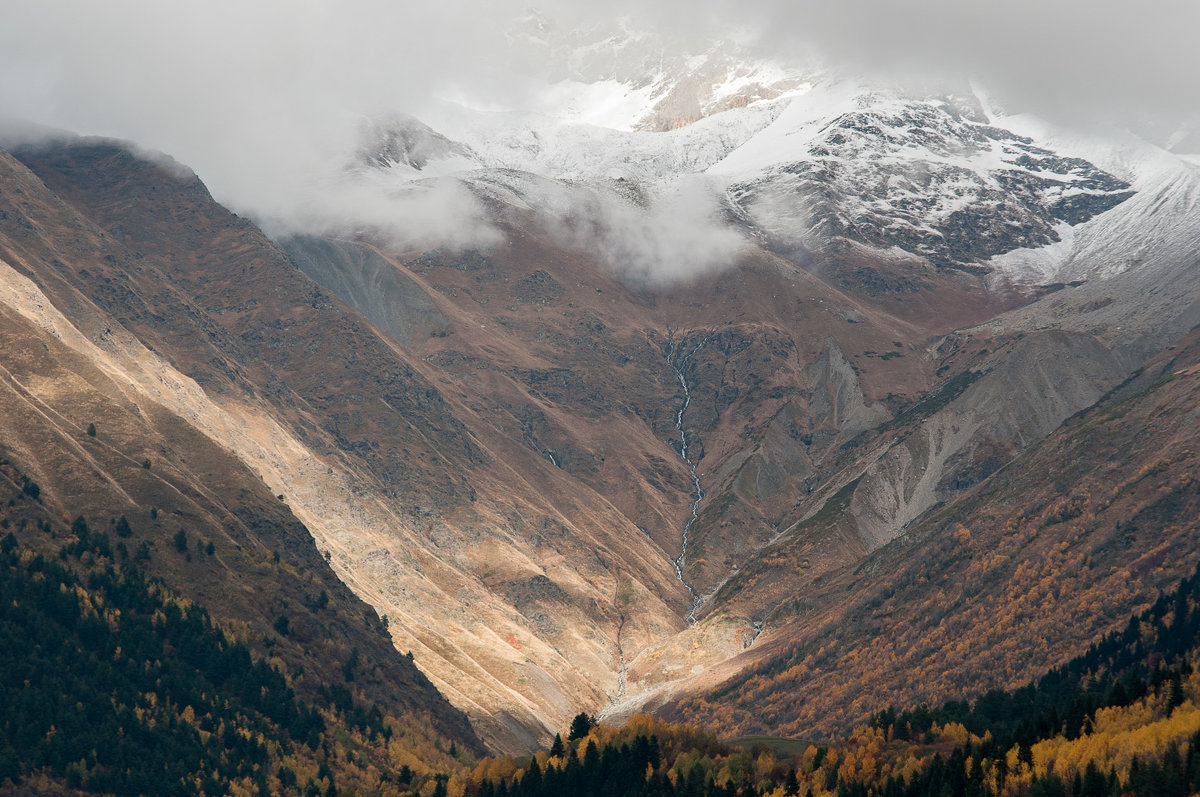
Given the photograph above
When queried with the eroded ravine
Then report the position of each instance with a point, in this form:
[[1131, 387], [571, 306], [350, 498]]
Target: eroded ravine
[[622, 664]]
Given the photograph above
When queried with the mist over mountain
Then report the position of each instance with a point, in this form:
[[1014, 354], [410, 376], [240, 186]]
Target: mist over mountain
[[264, 101]]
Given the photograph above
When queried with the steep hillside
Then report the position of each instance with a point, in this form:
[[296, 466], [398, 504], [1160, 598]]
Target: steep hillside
[[1037, 560], [112, 685], [109, 430], [292, 379]]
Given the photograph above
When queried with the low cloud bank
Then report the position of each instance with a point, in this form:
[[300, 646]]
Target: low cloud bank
[[265, 100]]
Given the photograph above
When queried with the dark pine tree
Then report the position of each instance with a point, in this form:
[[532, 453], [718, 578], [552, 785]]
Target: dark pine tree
[[580, 726]]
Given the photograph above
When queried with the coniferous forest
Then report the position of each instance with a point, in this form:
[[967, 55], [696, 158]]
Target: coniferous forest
[[115, 687], [110, 683]]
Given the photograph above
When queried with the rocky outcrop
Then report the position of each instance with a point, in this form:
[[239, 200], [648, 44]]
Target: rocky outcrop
[[363, 279], [837, 409], [923, 177], [402, 141]]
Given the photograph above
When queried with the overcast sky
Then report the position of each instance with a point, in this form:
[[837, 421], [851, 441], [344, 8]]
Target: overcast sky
[[242, 90]]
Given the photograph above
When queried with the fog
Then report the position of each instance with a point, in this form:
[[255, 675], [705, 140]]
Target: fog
[[265, 99], [1076, 62], [674, 235]]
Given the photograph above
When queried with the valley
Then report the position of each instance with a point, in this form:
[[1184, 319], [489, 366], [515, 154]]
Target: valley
[[761, 405]]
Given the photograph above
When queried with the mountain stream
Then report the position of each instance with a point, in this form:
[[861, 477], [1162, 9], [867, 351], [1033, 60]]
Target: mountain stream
[[679, 365]]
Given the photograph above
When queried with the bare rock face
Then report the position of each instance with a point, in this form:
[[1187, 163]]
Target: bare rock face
[[837, 408], [403, 141], [1038, 381], [932, 178], [1012, 399], [364, 279]]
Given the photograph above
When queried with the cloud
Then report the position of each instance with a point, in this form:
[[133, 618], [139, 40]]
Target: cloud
[[674, 234], [421, 214], [1073, 61], [265, 98]]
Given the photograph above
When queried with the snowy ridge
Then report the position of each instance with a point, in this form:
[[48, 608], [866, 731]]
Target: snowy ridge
[[564, 150], [1160, 223], [930, 177], [624, 79]]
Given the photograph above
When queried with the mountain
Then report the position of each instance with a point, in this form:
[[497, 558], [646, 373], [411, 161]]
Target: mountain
[[100, 427], [1035, 562], [985, 246], [747, 394]]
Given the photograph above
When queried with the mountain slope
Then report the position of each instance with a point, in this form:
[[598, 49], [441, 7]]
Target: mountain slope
[[1036, 561], [1120, 718], [97, 428], [152, 461]]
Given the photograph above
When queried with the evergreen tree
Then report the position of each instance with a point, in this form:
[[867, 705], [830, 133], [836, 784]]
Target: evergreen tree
[[591, 759], [1093, 783], [1175, 694], [581, 726], [531, 784]]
